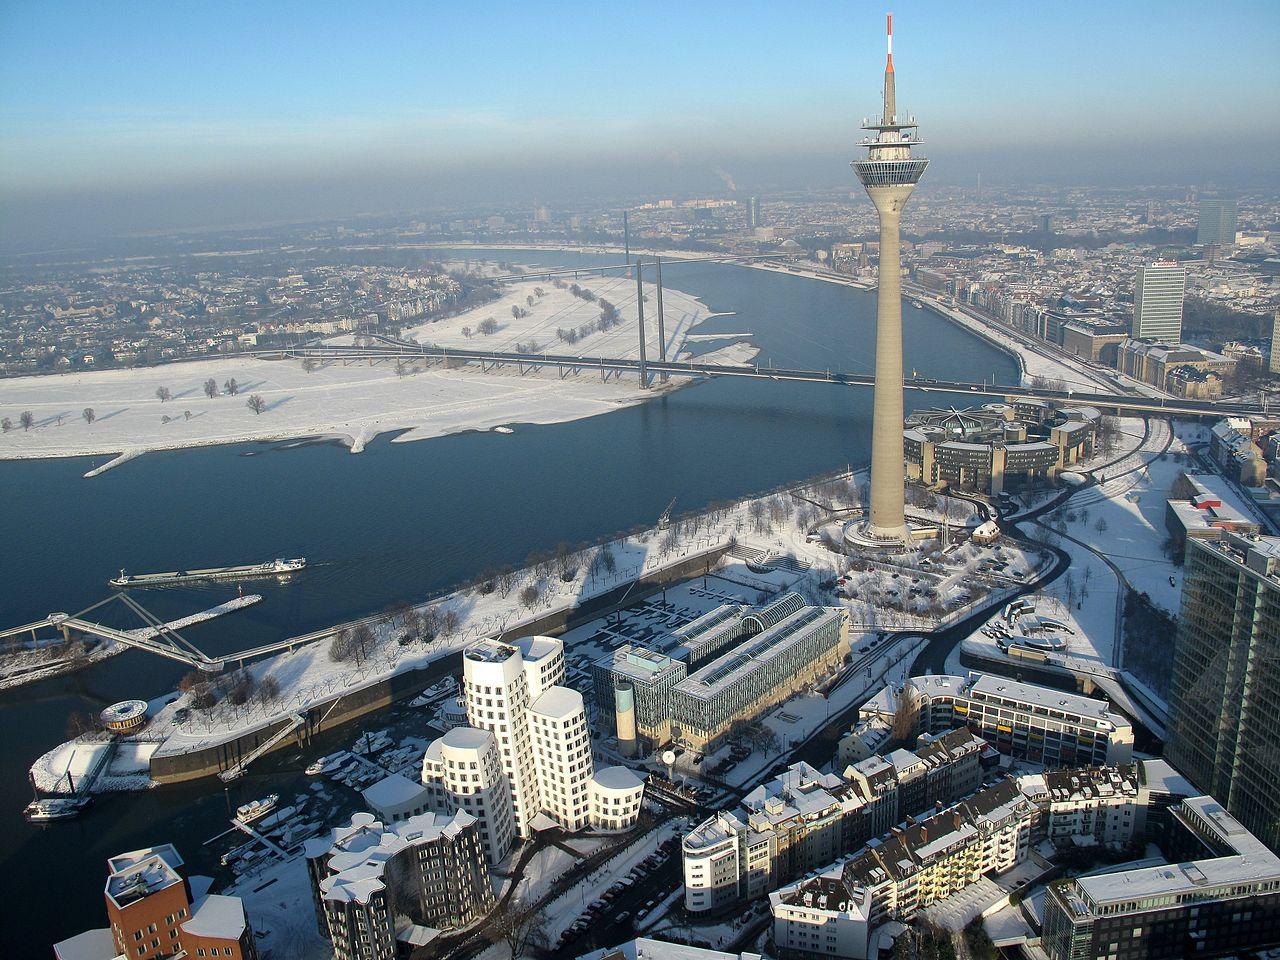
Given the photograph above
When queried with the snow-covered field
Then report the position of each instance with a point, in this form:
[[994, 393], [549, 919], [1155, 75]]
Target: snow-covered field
[[353, 402]]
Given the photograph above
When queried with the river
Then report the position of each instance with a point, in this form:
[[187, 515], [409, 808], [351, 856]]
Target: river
[[397, 521]]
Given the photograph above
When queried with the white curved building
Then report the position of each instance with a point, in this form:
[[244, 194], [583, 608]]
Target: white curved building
[[615, 794], [463, 771], [562, 755], [533, 733]]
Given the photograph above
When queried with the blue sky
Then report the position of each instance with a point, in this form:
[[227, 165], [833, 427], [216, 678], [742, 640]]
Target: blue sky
[[146, 96]]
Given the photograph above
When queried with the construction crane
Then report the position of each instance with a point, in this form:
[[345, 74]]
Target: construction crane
[[664, 521]]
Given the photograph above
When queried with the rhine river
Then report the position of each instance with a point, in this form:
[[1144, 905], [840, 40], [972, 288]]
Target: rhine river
[[399, 521]]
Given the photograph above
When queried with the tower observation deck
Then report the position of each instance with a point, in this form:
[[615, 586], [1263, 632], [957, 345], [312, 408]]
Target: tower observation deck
[[889, 174]]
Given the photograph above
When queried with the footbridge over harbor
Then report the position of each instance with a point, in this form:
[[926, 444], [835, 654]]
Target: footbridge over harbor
[[375, 348], [155, 636]]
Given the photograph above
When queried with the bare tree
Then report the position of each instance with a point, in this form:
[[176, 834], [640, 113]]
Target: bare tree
[[466, 332], [488, 326], [231, 387], [163, 393], [523, 931], [1100, 525], [6, 424], [211, 388], [89, 415], [309, 364], [269, 689], [27, 419], [186, 414], [256, 404], [529, 595]]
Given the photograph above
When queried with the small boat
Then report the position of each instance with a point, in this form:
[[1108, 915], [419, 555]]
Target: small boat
[[503, 430], [256, 809], [326, 764], [55, 808]]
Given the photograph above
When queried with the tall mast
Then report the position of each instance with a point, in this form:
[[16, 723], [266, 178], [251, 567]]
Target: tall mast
[[890, 98]]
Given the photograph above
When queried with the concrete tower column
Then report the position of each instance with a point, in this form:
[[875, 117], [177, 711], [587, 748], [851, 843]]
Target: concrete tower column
[[887, 509]]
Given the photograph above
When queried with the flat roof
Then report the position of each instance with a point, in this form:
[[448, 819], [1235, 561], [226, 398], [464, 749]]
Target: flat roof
[[216, 916], [90, 945], [392, 791]]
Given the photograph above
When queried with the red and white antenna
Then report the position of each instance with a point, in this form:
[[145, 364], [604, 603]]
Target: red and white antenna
[[889, 66]]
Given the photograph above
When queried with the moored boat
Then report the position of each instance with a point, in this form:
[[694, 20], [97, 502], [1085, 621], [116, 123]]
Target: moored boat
[[247, 813]]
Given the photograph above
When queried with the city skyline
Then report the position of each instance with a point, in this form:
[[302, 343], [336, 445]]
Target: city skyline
[[179, 118]]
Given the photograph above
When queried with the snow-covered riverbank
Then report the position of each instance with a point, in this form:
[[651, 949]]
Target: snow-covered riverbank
[[356, 402]]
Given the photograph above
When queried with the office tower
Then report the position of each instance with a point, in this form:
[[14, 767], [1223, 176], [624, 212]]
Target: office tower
[[1157, 301], [1217, 226], [1225, 693], [1275, 342], [753, 209], [1223, 899], [1046, 223], [889, 174]]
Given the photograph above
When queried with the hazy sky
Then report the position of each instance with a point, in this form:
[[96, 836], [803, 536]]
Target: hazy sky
[[174, 113]]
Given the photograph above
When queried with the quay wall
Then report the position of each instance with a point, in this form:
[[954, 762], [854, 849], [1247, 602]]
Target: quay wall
[[342, 709]]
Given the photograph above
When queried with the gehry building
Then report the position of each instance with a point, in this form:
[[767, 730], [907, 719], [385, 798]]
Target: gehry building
[[524, 760], [378, 886]]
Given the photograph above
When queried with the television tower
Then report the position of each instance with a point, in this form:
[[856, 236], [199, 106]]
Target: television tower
[[889, 174]]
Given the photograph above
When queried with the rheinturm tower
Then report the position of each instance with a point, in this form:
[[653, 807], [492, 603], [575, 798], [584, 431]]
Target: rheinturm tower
[[889, 173]]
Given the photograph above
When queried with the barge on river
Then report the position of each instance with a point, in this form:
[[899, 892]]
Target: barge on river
[[272, 568]]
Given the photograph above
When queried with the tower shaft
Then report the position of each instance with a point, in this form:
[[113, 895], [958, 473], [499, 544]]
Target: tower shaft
[[888, 517], [889, 173]]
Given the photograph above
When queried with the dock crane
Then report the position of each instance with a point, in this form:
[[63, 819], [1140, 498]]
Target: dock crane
[[664, 521]]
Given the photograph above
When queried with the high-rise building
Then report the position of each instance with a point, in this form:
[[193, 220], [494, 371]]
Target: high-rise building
[[1275, 343], [525, 756], [753, 212], [1217, 226], [1225, 694], [889, 174], [1222, 899], [1158, 291]]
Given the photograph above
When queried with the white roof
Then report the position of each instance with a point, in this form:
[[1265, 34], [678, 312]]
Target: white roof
[[617, 778], [466, 738], [216, 916], [558, 702], [90, 945], [393, 791]]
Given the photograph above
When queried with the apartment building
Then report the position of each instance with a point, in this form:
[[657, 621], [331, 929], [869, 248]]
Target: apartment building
[[373, 883], [838, 912], [803, 819], [1022, 720]]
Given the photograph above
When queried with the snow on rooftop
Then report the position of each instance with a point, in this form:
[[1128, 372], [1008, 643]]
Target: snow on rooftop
[[617, 778], [558, 702], [90, 945], [392, 792], [216, 916]]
